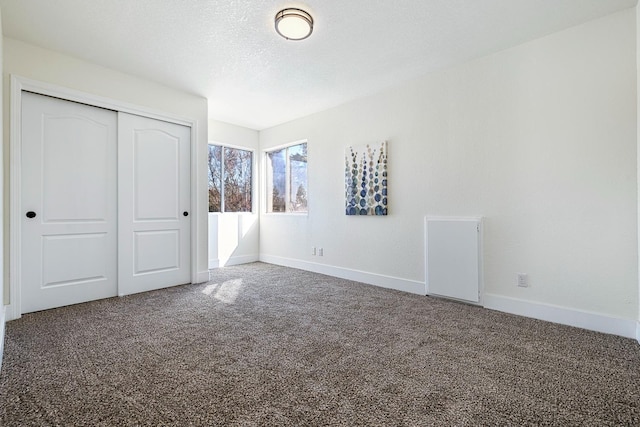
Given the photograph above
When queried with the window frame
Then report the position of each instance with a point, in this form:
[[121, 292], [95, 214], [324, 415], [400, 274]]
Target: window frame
[[266, 180], [253, 177]]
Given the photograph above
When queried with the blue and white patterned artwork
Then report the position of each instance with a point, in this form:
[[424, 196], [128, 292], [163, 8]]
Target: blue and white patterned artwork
[[365, 173]]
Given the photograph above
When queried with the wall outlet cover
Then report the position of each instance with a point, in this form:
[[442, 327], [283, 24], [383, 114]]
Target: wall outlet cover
[[523, 280]]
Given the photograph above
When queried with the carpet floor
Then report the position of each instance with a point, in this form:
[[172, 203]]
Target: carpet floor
[[267, 345]]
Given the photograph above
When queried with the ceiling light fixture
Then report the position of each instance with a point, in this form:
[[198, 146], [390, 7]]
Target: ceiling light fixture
[[294, 24]]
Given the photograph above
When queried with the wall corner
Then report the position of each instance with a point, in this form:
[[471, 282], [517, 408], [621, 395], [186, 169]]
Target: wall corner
[[2, 322], [638, 160]]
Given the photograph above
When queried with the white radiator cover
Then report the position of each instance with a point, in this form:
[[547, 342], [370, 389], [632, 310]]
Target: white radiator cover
[[453, 249]]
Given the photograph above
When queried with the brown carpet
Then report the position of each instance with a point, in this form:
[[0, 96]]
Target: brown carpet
[[267, 345]]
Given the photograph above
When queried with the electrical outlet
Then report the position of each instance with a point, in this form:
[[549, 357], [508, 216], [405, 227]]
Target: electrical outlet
[[320, 252], [523, 280], [313, 250]]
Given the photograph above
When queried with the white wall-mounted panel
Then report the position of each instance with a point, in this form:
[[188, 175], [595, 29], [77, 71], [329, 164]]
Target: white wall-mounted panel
[[453, 258]]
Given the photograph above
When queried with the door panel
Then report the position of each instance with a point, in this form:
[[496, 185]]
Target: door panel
[[68, 177], [69, 140], [153, 195], [156, 165], [156, 251], [74, 259]]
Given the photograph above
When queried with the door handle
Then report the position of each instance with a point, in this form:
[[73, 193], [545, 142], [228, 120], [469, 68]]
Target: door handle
[[31, 214], [185, 213]]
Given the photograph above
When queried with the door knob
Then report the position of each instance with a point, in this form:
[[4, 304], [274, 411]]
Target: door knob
[[185, 213], [31, 214]]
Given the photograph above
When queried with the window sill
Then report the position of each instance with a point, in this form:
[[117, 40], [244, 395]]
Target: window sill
[[286, 214], [232, 213]]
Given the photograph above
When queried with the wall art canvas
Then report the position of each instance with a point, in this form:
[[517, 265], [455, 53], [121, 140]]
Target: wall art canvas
[[365, 171]]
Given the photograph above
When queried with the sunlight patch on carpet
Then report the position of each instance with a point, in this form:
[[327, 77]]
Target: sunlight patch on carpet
[[227, 292]]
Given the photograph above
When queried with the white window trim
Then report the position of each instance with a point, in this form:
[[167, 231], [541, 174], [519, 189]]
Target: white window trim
[[265, 167], [254, 176]]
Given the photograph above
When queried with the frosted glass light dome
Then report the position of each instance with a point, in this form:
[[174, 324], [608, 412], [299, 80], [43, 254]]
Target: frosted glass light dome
[[294, 24]]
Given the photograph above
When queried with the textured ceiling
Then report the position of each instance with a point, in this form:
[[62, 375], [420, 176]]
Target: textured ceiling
[[229, 52]]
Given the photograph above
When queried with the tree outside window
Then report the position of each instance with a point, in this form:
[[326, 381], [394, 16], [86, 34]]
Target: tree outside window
[[287, 179], [230, 179]]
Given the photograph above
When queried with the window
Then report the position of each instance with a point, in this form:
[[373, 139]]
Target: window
[[287, 179], [229, 179]]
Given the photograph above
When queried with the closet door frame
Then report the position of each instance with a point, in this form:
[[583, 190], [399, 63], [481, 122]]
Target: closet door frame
[[20, 84]]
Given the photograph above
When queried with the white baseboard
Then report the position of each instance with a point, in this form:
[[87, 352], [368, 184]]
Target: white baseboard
[[412, 286], [2, 322], [11, 313], [563, 315], [234, 260], [556, 314], [202, 276]]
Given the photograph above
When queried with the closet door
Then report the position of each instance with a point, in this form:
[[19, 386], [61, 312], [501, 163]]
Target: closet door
[[68, 202], [154, 218]]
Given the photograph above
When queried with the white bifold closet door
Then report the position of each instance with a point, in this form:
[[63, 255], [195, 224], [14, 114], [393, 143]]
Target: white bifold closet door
[[105, 203]]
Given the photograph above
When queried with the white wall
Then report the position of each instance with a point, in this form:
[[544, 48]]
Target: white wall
[[540, 140], [2, 278], [55, 68], [234, 237], [638, 150]]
